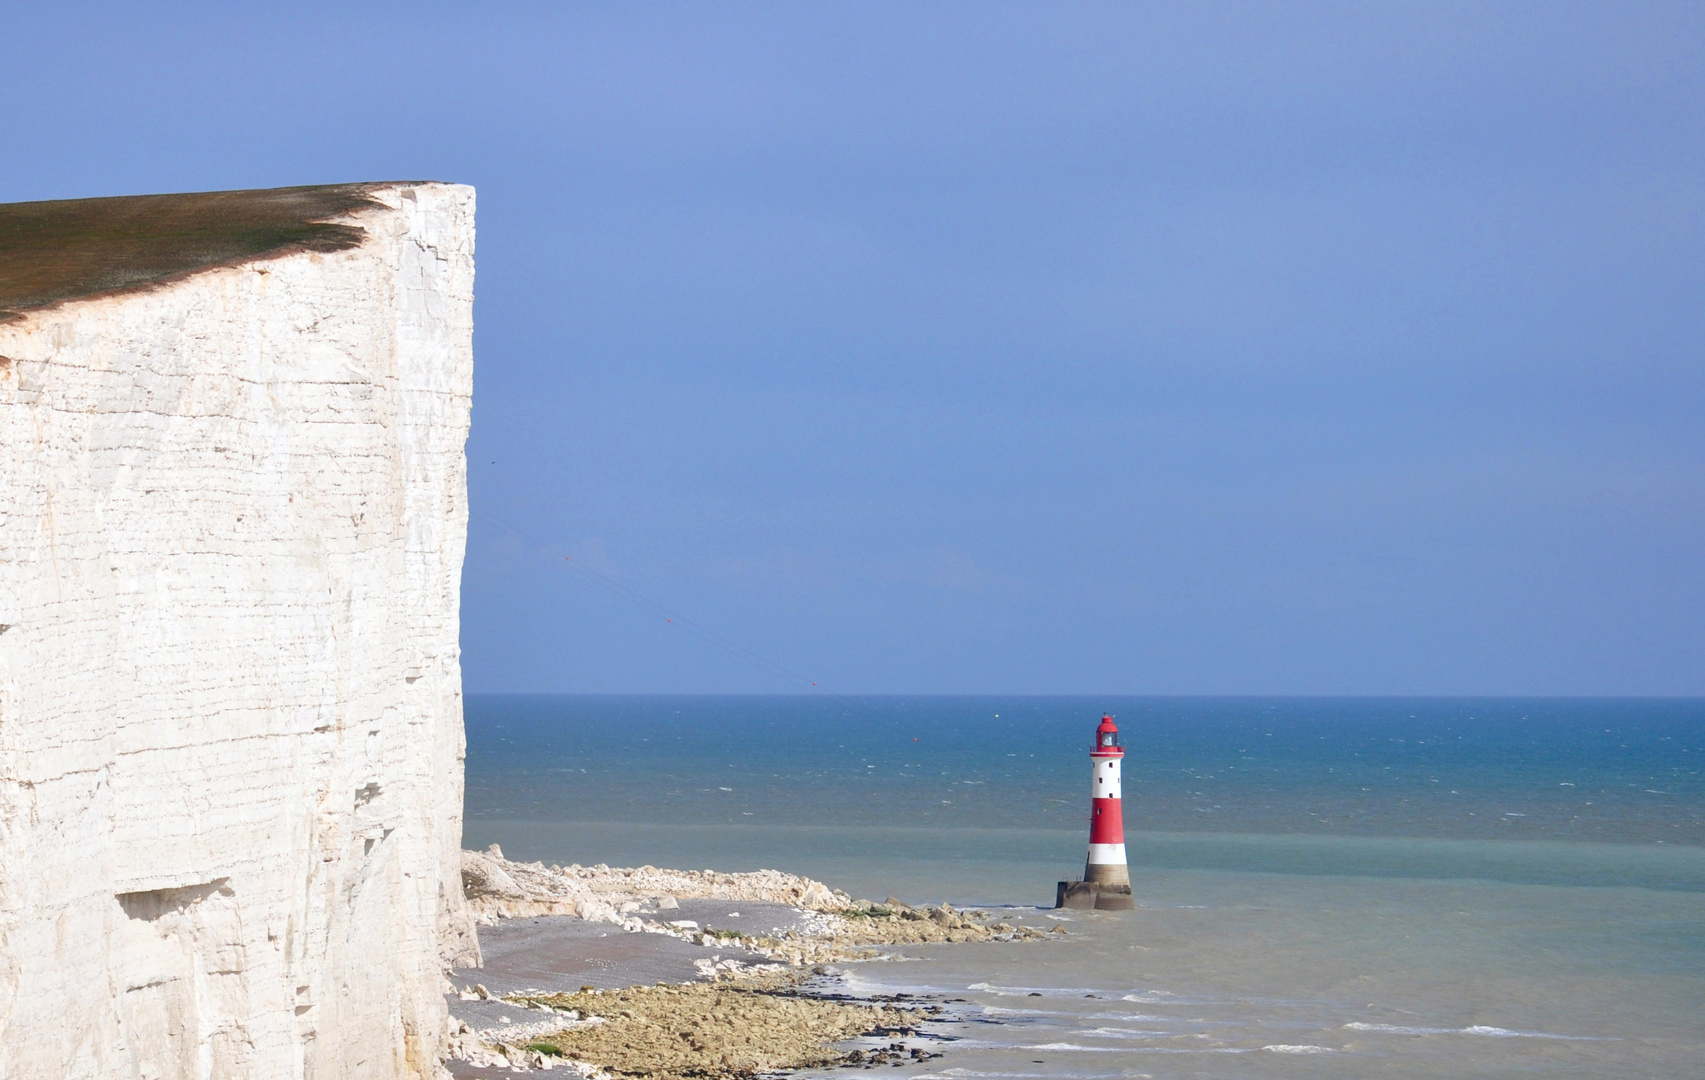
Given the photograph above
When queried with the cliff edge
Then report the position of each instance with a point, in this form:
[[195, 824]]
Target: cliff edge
[[232, 519]]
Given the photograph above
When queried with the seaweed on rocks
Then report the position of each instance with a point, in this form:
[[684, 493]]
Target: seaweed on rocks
[[716, 1031]]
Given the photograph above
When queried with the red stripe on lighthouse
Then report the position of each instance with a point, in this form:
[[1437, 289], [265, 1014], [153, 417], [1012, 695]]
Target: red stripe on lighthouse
[[1107, 823]]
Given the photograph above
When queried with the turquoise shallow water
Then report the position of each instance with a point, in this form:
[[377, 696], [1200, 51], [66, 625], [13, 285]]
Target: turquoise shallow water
[[1334, 888]]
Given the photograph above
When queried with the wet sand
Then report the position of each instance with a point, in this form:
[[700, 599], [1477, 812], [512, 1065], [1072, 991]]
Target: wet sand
[[561, 954]]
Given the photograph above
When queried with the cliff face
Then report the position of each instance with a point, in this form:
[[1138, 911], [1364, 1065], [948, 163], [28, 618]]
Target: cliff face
[[232, 517]]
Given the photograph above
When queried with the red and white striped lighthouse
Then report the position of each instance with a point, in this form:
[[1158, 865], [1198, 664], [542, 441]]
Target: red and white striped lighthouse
[[1106, 883], [1106, 863]]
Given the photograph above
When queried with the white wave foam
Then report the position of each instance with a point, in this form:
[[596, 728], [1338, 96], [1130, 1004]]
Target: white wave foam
[[1283, 1048], [1394, 1029], [955, 1074], [1503, 1033], [1187, 1050], [1476, 1029], [862, 984], [1072, 1046], [1042, 991]]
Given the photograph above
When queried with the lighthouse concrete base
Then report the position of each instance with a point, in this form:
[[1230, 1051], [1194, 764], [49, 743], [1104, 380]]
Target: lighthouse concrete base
[[1093, 896], [1075, 894]]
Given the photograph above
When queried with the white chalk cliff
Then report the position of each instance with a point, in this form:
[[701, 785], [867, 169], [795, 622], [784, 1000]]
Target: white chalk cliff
[[232, 519]]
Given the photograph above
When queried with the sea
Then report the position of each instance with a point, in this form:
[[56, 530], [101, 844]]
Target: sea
[[1331, 887]]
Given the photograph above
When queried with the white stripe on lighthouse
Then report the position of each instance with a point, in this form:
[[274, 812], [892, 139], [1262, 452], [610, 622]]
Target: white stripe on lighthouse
[[1106, 855], [1106, 784]]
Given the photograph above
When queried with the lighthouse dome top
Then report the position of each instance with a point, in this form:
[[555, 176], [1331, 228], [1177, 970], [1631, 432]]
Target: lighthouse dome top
[[1107, 738]]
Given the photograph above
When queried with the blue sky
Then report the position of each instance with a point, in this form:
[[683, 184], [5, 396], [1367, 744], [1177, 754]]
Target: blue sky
[[1291, 348]]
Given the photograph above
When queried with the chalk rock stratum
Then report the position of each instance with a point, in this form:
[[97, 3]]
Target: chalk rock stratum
[[232, 519], [497, 888]]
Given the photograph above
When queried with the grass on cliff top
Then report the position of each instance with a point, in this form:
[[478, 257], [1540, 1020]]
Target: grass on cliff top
[[69, 248]]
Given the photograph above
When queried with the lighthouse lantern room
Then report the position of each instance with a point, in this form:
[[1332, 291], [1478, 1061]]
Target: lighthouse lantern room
[[1106, 884]]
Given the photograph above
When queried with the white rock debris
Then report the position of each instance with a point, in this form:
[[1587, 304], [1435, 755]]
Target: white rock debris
[[232, 520], [506, 1047], [500, 889]]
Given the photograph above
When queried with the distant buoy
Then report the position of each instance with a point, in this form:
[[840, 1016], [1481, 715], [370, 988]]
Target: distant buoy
[[1106, 884]]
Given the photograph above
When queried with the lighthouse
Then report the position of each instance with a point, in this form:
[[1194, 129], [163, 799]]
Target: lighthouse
[[1106, 884]]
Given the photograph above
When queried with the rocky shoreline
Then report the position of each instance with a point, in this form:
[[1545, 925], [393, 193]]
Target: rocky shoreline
[[764, 999]]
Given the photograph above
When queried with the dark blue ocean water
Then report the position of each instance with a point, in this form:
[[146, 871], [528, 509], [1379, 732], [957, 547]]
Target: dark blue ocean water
[[1331, 887], [1568, 770]]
